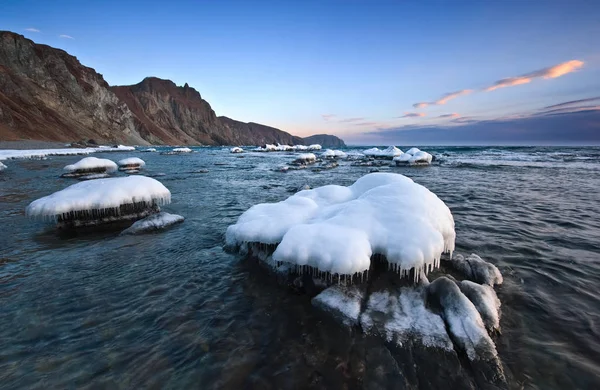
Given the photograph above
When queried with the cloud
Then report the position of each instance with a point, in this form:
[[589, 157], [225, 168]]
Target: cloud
[[412, 115], [551, 72], [367, 124], [444, 99], [453, 115], [571, 103], [328, 117], [350, 120], [31, 29], [65, 36]]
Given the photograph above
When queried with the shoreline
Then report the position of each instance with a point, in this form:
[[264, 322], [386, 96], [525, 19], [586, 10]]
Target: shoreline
[[32, 144]]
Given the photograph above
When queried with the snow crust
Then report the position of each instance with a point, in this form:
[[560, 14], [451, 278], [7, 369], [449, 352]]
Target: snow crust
[[314, 147], [267, 148], [100, 194], [283, 148], [300, 147], [40, 153], [337, 229], [154, 222], [131, 161], [485, 300], [90, 163], [305, 158], [333, 154], [401, 316], [476, 269], [182, 150], [413, 156], [236, 150], [344, 302], [389, 152]]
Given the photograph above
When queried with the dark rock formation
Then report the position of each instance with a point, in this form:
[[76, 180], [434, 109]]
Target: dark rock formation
[[257, 134], [325, 140]]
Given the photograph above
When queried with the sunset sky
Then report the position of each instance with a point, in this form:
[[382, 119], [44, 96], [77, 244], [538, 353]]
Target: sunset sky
[[371, 72]]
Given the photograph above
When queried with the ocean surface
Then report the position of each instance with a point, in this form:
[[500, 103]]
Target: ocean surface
[[173, 310]]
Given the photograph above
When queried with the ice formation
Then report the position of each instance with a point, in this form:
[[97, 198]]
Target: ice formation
[[131, 163], [305, 158], [389, 152], [336, 230], [2, 166], [283, 148], [149, 150], [300, 147], [236, 150], [182, 150], [414, 156], [102, 200], [90, 165], [485, 300], [154, 222], [314, 147], [333, 154], [343, 302], [476, 269], [266, 148]]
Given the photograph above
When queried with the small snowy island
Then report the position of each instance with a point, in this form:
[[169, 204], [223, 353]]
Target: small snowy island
[[90, 167], [131, 164], [102, 201]]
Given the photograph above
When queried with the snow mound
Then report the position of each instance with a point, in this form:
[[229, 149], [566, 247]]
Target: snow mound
[[182, 150], [283, 148], [100, 195], [337, 229], [92, 164], [414, 156], [305, 158], [300, 147], [485, 300], [389, 152], [2, 167], [149, 150], [476, 269], [266, 148], [401, 317], [314, 147], [131, 163], [343, 302], [462, 318], [154, 222], [93, 176], [236, 150], [333, 154]]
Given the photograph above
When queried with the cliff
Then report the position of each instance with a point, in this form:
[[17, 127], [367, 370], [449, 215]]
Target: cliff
[[325, 140]]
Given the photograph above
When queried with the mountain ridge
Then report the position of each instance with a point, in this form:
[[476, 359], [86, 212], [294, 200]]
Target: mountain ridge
[[47, 94]]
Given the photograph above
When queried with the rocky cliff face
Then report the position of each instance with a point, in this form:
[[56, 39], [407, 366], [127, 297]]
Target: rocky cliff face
[[325, 140], [46, 94]]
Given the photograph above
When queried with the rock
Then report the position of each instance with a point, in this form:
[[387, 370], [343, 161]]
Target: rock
[[476, 269], [154, 222], [342, 303], [325, 140]]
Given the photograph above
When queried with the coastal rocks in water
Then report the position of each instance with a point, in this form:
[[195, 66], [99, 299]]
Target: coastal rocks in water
[[326, 165], [178, 151], [149, 150], [131, 164], [341, 302], [314, 147], [102, 201], [333, 154], [88, 166], [266, 148], [388, 153], [152, 223], [304, 159], [485, 300], [476, 269], [413, 156], [236, 150]]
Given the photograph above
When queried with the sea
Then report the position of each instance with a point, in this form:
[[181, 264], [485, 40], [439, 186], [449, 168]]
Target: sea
[[174, 310]]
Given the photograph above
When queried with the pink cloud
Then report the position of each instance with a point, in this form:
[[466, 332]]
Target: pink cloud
[[453, 116], [444, 99], [551, 72], [350, 120], [413, 115]]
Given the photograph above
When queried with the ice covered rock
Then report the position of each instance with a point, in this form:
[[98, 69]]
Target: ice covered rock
[[343, 303], [335, 230], [2, 166], [314, 147], [236, 150], [283, 148], [300, 147], [153, 222], [266, 148], [304, 159], [414, 156], [182, 150], [476, 269], [90, 165], [101, 201], [389, 152], [131, 163], [333, 154], [485, 300], [149, 150]]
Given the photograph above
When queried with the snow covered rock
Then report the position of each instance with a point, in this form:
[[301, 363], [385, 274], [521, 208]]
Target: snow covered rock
[[149, 150], [10, 154], [335, 230], [476, 269], [343, 303], [131, 163], [2, 166], [333, 154], [266, 148], [304, 159], [300, 147], [485, 300], [182, 150], [414, 156], [236, 150], [101, 201], [314, 147], [90, 165], [153, 222], [283, 148], [389, 152]]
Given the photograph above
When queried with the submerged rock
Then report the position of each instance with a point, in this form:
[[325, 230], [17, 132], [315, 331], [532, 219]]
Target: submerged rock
[[153, 223]]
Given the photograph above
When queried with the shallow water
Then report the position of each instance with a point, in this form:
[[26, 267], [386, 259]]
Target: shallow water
[[173, 310]]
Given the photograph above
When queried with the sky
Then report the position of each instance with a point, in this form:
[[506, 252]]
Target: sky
[[370, 72]]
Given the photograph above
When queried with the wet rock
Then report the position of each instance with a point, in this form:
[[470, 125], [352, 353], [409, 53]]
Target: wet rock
[[342, 303], [476, 269], [485, 300]]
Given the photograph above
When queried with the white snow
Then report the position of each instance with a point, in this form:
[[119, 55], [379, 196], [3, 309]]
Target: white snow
[[131, 161], [267, 148], [283, 148], [485, 300], [402, 316], [336, 229], [343, 301], [476, 269], [414, 156], [300, 147], [314, 147], [100, 194], [2, 167], [153, 222], [149, 150], [93, 176], [389, 152], [90, 163], [9, 154], [305, 158], [333, 154], [236, 150], [182, 150]]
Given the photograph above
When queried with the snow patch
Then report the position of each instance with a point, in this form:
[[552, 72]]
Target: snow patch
[[314, 147], [414, 156], [131, 163], [333, 154], [343, 302], [92, 164], [182, 150], [236, 150], [389, 152]]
